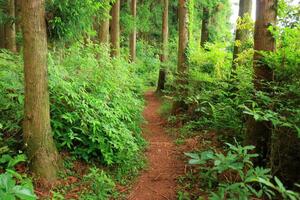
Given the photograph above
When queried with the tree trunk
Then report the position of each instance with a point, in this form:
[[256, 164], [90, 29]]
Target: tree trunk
[[115, 29], [104, 32], [285, 157], [182, 68], [204, 29], [18, 22], [132, 40], [38, 138], [2, 36], [245, 7], [164, 55], [259, 133], [10, 29]]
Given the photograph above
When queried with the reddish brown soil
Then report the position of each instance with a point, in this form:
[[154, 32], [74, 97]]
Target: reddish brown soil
[[158, 182]]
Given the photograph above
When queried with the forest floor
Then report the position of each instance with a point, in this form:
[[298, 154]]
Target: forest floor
[[165, 164]]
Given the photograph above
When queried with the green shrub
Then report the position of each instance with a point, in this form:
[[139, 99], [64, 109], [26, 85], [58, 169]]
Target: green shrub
[[12, 184], [233, 175], [95, 103], [100, 184]]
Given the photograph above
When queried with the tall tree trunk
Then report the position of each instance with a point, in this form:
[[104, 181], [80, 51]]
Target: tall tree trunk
[[2, 36], [38, 138], [182, 68], [164, 55], [103, 33], [132, 40], [245, 7], [10, 29], [18, 22], [115, 29], [259, 133], [204, 29]]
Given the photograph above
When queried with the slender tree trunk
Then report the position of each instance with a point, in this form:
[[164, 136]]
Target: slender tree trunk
[[132, 40], [245, 7], [259, 133], [18, 22], [10, 29], [204, 29], [104, 32], [38, 139], [164, 55], [182, 68], [115, 29]]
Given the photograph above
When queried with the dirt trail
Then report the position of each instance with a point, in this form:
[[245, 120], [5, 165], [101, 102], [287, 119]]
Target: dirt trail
[[158, 182]]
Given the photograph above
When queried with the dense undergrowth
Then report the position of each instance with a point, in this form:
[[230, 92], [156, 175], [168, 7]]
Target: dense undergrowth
[[95, 112], [222, 100]]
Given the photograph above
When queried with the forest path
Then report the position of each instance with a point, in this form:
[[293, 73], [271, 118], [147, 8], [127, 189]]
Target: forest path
[[158, 182]]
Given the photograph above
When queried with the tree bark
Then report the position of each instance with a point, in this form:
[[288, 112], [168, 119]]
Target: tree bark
[[204, 29], [10, 29], [18, 22], [182, 68], [164, 55], [104, 32], [38, 139], [2, 36], [245, 7], [115, 29], [259, 133], [285, 157], [132, 40]]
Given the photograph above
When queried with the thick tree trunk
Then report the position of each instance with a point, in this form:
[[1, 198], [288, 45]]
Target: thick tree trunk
[[245, 7], [182, 68], [115, 29], [2, 36], [164, 55], [10, 29], [103, 33], [132, 39], [259, 133], [285, 156], [38, 138], [204, 29]]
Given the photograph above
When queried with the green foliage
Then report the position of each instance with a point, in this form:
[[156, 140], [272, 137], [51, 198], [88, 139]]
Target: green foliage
[[11, 90], [12, 184], [69, 19], [101, 185], [281, 107], [288, 15], [219, 15], [9, 190], [215, 94], [148, 63], [95, 112], [233, 176]]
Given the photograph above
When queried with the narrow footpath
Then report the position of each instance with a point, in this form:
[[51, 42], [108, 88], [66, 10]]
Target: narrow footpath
[[158, 181]]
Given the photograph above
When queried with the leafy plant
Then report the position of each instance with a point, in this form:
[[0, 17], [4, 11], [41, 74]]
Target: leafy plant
[[233, 176], [101, 185], [10, 190], [95, 112], [12, 184]]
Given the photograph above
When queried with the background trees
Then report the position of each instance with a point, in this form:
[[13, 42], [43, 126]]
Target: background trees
[[241, 33], [132, 43]]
